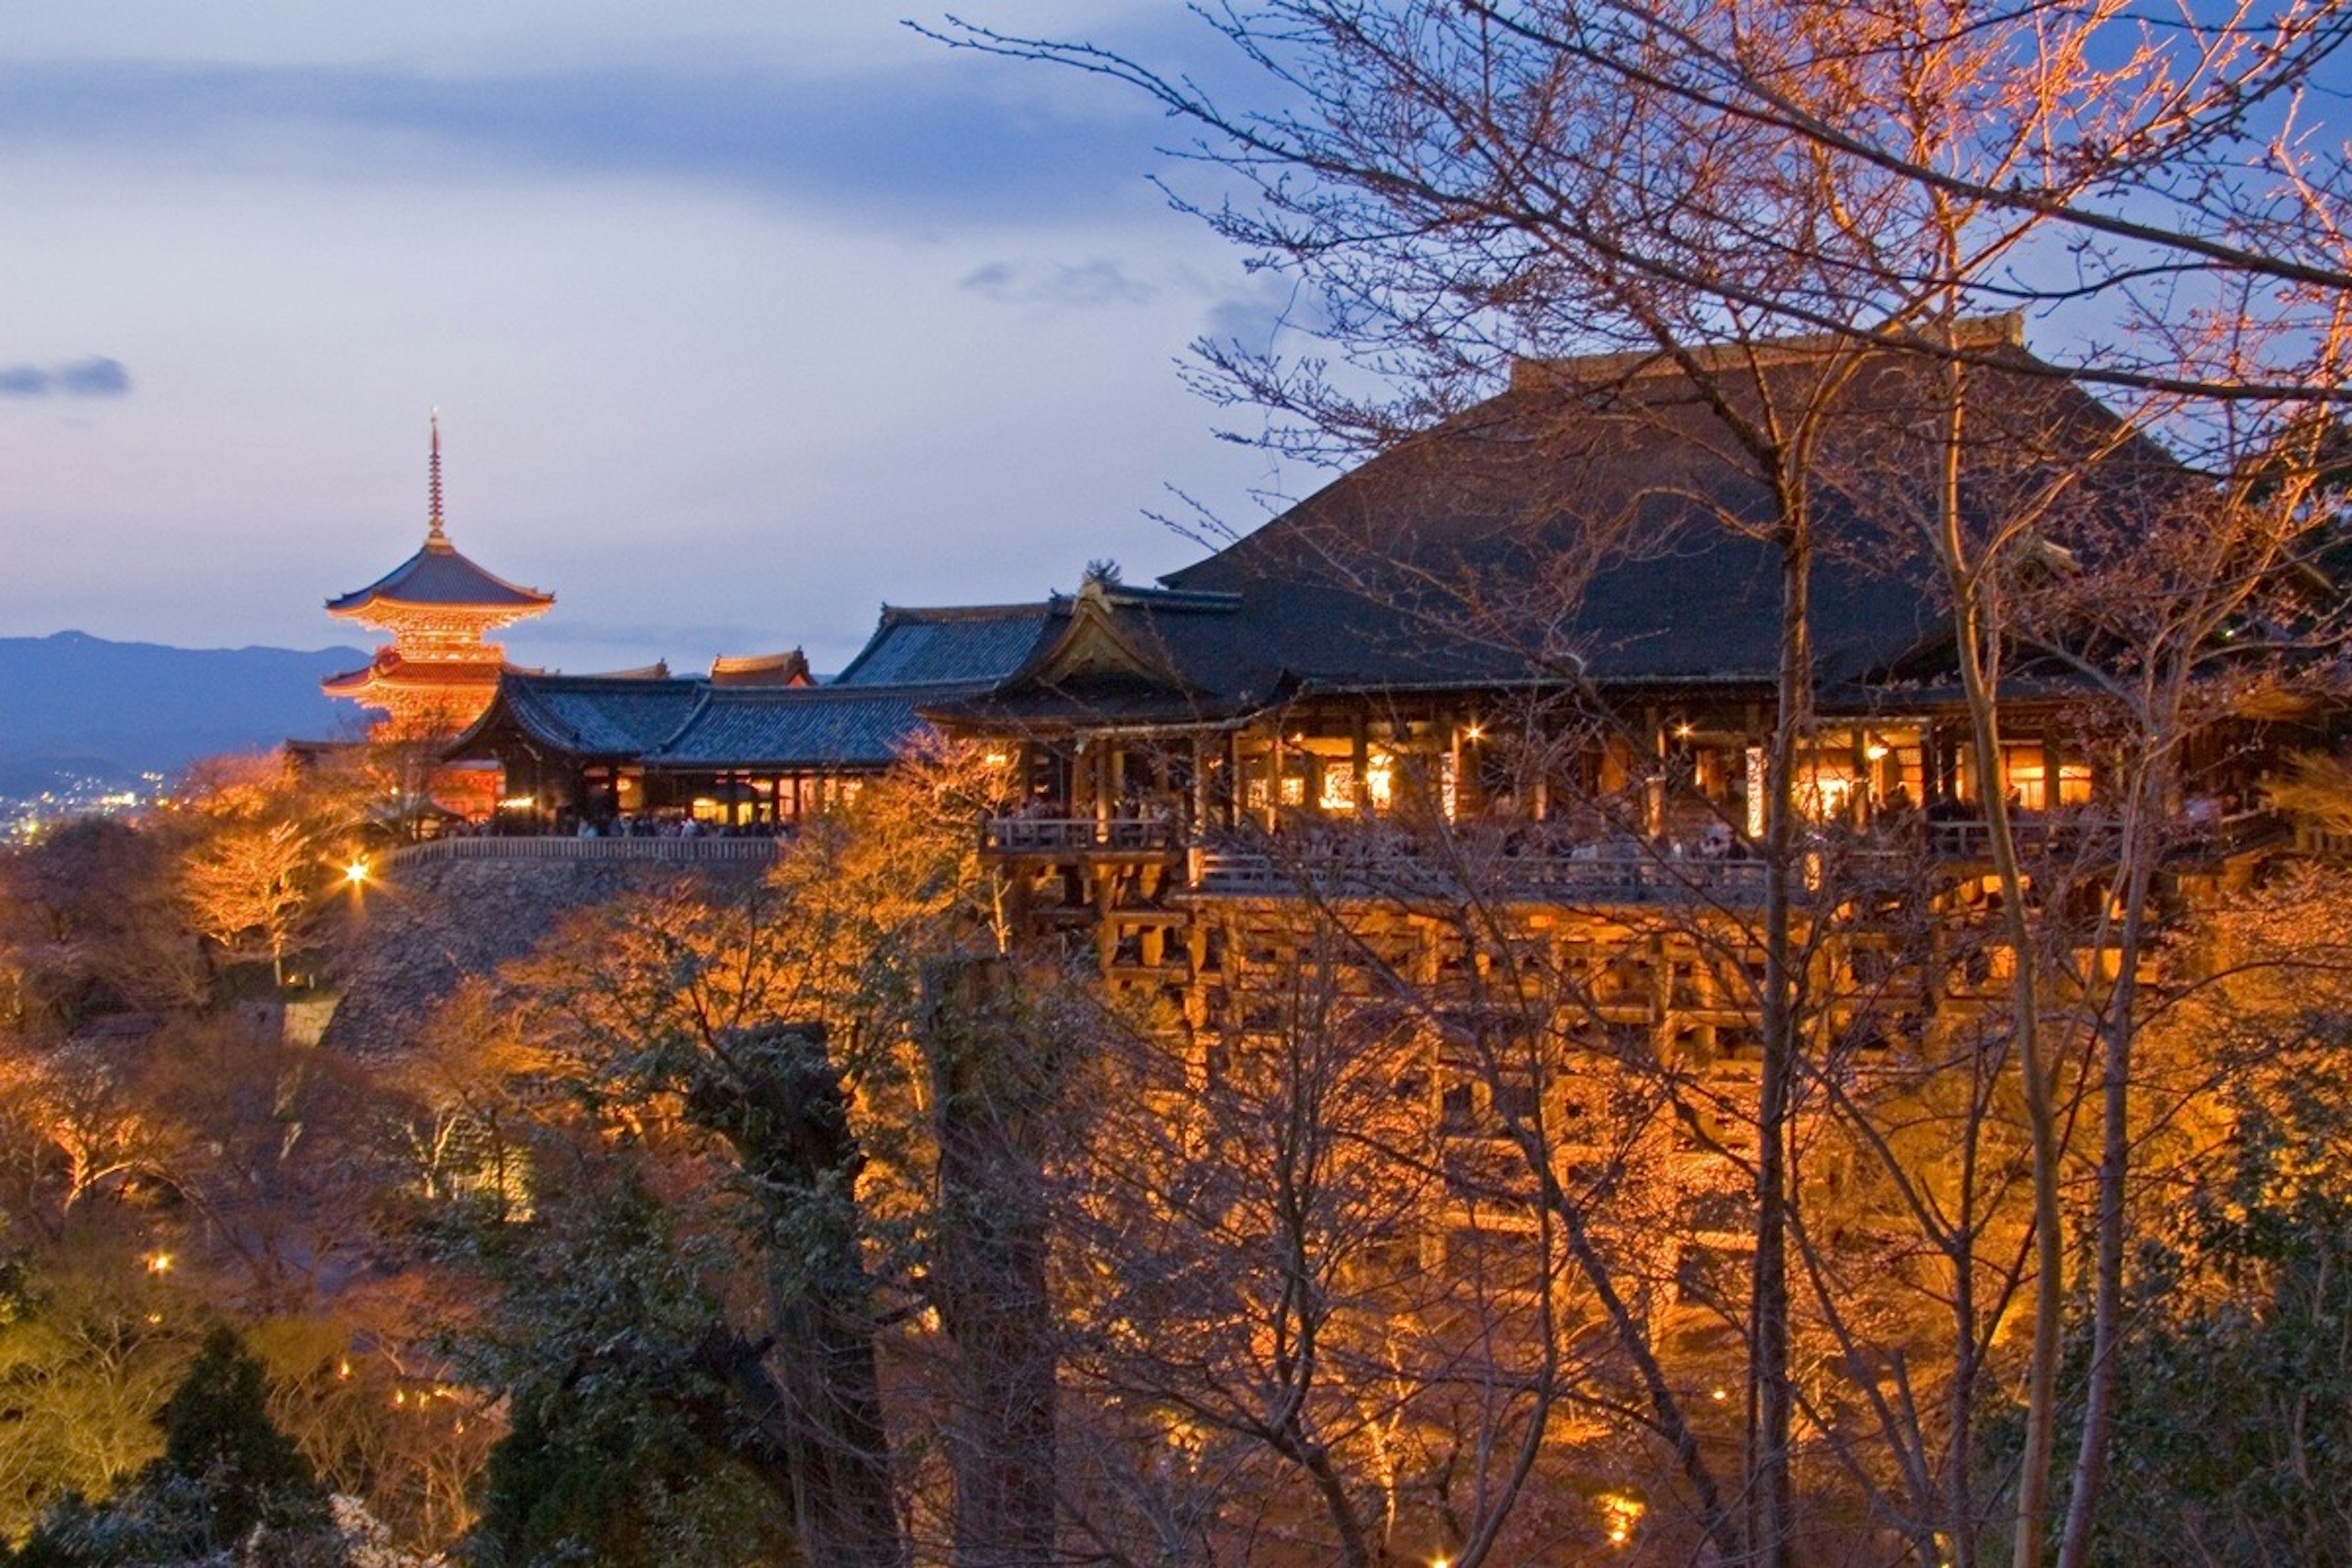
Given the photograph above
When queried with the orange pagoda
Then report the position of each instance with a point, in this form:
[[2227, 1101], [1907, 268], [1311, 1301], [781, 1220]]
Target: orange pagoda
[[438, 673]]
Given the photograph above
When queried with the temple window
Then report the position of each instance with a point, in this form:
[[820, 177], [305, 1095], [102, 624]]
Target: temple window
[[1338, 792], [1380, 780]]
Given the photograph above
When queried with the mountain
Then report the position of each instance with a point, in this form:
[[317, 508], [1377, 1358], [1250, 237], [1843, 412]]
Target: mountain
[[77, 704]]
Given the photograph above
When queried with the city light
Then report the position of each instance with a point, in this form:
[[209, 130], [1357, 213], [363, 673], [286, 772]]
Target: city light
[[356, 872]]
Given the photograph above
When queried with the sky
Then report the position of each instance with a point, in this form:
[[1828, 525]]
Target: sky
[[743, 318]]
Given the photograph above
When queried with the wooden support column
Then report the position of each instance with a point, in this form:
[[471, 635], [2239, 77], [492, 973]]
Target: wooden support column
[[1450, 765], [1361, 750], [1273, 774]]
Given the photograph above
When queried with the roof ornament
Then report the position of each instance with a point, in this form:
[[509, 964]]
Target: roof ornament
[[433, 535]]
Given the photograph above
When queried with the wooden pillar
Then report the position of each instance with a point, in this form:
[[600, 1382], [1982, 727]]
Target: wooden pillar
[[1450, 765], [1361, 751], [1273, 774]]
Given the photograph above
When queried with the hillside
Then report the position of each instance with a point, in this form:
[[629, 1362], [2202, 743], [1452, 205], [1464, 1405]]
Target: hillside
[[397, 953], [74, 703]]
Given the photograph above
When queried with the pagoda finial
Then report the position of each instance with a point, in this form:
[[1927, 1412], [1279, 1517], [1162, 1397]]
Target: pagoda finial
[[434, 534]]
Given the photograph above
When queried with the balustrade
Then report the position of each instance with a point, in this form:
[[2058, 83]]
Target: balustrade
[[1078, 835], [666, 851]]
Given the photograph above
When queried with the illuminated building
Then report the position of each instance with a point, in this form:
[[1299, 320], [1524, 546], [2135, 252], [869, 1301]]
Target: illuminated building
[[438, 672]]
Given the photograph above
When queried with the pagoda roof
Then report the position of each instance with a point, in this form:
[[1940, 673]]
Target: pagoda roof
[[389, 668], [438, 577]]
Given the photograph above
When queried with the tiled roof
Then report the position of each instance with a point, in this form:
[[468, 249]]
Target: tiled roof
[[759, 668], [438, 577], [1598, 523], [390, 669], [694, 723], [590, 715], [1613, 529], [927, 648], [788, 727]]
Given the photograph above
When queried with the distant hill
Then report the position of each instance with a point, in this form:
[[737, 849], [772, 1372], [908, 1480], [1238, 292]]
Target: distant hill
[[73, 703]]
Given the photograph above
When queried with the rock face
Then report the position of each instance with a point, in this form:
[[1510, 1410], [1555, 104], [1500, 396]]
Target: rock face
[[405, 944]]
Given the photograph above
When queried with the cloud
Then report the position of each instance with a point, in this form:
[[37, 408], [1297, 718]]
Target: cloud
[[1083, 287], [96, 376], [1258, 316], [898, 144]]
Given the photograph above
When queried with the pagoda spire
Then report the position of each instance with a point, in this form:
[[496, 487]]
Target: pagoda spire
[[433, 535]]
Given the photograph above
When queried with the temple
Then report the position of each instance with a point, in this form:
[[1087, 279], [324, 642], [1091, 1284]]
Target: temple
[[1549, 632], [438, 672]]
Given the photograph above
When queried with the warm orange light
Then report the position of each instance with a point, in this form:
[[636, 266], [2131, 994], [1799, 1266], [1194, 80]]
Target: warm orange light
[[1619, 1515], [1474, 732], [357, 871], [159, 1263]]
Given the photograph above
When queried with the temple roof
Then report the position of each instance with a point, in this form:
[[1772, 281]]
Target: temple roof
[[587, 715], [1599, 522], [975, 645], [389, 668], [695, 722], [810, 727], [438, 577], [790, 667]]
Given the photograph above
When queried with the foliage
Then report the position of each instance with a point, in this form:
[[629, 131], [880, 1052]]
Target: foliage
[[228, 1486], [621, 1447], [87, 1358], [2235, 1369], [89, 925], [248, 886]]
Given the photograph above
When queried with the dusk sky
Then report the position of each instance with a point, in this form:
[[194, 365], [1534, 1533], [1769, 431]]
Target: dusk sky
[[742, 318]]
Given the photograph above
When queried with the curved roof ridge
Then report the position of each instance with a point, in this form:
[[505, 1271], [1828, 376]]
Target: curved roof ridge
[[438, 577]]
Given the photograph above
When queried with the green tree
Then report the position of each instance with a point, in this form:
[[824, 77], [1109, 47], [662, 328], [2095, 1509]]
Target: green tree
[[228, 1486], [612, 1340]]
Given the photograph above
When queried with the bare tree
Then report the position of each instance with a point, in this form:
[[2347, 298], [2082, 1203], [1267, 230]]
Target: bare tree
[[1465, 183]]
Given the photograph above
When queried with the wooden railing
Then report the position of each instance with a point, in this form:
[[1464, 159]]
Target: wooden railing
[[655, 851], [1610, 878], [2328, 843], [1075, 835], [1340, 865], [2074, 833]]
